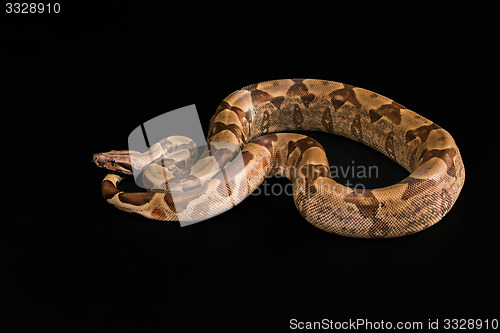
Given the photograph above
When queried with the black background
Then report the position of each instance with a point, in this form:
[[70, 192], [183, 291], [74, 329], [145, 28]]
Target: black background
[[78, 82]]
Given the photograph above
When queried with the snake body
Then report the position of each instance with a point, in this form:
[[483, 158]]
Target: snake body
[[254, 119]]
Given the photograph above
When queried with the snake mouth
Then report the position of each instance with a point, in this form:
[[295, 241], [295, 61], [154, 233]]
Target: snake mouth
[[118, 161]]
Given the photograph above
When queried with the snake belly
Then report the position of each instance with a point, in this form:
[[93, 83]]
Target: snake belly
[[256, 119]]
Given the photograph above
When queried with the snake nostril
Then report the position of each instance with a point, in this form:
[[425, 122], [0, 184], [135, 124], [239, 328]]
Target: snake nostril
[[97, 160]]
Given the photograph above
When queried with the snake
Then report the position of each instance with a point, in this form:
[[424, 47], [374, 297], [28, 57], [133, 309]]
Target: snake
[[260, 120]]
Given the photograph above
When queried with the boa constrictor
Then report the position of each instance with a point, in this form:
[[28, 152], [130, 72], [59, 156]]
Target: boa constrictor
[[254, 118]]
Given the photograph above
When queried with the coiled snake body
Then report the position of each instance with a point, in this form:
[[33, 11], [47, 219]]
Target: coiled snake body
[[254, 117]]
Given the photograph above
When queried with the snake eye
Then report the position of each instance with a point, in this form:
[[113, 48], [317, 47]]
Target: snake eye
[[112, 162]]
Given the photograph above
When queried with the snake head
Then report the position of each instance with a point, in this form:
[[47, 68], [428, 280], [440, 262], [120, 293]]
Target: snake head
[[115, 160]]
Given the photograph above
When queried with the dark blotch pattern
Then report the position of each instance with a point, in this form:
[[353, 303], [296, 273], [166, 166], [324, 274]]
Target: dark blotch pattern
[[302, 145], [390, 111], [341, 96], [136, 199], [297, 116], [247, 157], [266, 141], [446, 155], [389, 145], [421, 132], [327, 120], [235, 129], [108, 189], [365, 201], [300, 89], [416, 186], [310, 173], [368, 206], [239, 112], [356, 128]]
